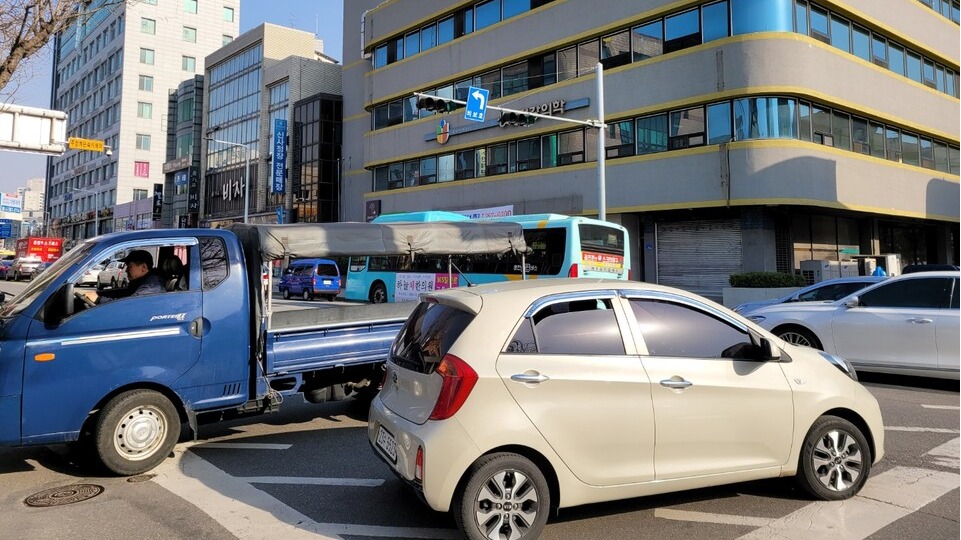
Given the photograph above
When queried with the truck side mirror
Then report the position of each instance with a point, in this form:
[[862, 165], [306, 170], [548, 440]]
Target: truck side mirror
[[58, 306]]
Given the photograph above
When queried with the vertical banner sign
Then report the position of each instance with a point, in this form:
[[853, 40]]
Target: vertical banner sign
[[280, 155], [158, 200], [193, 191]]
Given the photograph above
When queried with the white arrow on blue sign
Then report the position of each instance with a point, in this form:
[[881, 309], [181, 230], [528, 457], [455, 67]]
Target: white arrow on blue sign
[[476, 104]]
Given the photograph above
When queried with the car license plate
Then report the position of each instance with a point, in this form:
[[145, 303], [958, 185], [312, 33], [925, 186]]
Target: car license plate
[[326, 282], [385, 441]]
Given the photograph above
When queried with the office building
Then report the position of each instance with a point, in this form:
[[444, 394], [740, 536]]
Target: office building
[[250, 84], [113, 70], [740, 135]]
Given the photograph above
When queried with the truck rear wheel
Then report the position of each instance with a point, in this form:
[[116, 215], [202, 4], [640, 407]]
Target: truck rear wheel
[[136, 431]]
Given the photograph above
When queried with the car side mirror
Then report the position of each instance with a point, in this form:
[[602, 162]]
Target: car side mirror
[[852, 302], [769, 351]]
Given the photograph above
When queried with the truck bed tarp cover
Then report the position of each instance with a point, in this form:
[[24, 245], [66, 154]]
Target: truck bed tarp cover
[[298, 240]]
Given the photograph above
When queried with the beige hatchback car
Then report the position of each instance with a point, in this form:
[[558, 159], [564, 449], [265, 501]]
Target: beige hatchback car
[[504, 401]]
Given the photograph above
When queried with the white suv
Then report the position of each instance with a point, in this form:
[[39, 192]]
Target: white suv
[[113, 275]]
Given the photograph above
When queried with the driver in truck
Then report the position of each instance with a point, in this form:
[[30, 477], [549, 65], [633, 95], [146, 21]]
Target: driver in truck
[[143, 279]]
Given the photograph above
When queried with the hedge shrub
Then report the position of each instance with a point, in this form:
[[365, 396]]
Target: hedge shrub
[[760, 280]]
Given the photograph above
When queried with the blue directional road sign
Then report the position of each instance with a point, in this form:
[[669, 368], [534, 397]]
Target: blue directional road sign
[[476, 104]]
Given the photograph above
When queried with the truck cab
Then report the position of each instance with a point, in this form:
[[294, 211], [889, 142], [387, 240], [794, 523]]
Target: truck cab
[[64, 357]]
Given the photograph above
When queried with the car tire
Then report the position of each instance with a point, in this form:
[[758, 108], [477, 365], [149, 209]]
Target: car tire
[[835, 459], [113, 283], [500, 486], [797, 335], [16, 276], [378, 293], [136, 431], [285, 293], [307, 295], [331, 297]]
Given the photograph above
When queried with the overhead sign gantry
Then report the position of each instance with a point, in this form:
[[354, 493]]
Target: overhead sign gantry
[[29, 129]]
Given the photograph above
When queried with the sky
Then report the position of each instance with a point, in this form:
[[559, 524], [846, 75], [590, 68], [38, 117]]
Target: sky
[[323, 17]]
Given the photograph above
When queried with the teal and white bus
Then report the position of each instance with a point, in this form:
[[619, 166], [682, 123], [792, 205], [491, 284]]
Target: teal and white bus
[[560, 246]]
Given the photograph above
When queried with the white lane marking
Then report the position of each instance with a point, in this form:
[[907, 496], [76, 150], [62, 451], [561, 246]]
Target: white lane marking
[[921, 429], [884, 499], [247, 512], [705, 517], [239, 446], [946, 455], [311, 481], [948, 407]]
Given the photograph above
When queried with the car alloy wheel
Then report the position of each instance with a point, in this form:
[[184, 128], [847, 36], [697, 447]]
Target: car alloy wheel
[[835, 459], [798, 336], [506, 497]]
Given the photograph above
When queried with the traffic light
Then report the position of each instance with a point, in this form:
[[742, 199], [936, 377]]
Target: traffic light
[[516, 119], [437, 104]]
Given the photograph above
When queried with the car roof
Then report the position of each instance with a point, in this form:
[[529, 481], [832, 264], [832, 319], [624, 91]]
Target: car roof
[[532, 289]]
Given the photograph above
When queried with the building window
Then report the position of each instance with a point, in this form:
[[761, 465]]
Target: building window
[[190, 6], [146, 83], [687, 128], [139, 194], [647, 41], [652, 134], [147, 56], [714, 22], [190, 34], [719, 123], [143, 141], [148, 26], [464, 165], [682, 31], [487, 14], [188, 63], [228, 14], [144, 110], [226, 39]]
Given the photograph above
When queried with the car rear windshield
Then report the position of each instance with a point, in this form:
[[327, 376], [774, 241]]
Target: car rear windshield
[[327, 270], [428, 334]]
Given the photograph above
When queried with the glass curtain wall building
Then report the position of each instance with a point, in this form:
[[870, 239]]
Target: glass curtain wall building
[[741, 135]]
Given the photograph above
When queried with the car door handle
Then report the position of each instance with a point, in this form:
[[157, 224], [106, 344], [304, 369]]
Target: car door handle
[[920, 320], [529, 377], [197, 327], [676, 383]]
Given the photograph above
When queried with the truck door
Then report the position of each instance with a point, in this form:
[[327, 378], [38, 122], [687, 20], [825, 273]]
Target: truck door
[[70, 366]]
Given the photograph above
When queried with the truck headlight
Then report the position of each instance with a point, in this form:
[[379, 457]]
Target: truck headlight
[[841, 364]]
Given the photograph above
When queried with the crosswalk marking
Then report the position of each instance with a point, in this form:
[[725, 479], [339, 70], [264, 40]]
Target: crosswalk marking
[[706, 517], [884, 499], [239, 446], [947, 454], [247, 512], [921, 429], [312, 481]]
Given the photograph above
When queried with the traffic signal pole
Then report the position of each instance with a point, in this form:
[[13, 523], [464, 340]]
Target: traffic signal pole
[[599, 124]]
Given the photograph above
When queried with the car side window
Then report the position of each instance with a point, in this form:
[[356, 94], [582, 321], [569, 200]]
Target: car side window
[[213, 258], [671, 329], [955, 293], [930, 293], [575, 327]]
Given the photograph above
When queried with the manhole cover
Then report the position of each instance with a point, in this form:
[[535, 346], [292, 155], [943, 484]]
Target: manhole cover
[[140, 478], [64, 495]]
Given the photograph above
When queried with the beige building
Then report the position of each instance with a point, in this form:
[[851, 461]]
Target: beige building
[[248, 85], [741, 134], [112, 74]]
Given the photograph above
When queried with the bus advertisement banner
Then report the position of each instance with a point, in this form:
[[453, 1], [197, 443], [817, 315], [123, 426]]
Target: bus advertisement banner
[[408, 286], [602, 262]]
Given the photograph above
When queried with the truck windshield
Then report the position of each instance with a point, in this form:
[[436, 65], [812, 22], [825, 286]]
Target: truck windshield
[[27, 296]]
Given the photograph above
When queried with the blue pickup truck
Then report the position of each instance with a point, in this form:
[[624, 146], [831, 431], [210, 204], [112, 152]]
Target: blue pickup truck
[[121, 378]]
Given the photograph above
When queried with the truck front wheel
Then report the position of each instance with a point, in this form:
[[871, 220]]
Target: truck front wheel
[[136, 431]]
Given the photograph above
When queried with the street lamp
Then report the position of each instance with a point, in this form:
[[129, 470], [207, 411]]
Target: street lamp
[[246, 174]]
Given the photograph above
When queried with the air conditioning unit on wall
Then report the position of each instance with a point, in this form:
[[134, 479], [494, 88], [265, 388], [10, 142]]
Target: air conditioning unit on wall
[[818, 270]]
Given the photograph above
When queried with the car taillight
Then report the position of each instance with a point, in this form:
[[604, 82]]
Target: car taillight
[[419, 465], [573, 271], [459, 380]]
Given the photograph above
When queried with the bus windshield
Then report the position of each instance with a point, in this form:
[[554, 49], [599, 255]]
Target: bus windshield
[[559, 246]]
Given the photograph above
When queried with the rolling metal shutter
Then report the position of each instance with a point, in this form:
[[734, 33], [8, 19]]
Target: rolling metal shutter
[[698, 256]]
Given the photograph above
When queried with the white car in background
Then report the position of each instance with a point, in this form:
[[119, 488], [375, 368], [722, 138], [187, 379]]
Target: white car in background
[[114, 275], [828, 290], [907, 324], [89, 278], [504, 402]]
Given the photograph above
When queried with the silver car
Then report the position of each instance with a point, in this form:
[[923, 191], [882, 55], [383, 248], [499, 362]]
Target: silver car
[[505, 401], [828, 290]]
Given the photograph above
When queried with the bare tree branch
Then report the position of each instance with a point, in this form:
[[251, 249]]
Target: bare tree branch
[[27, 26]]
